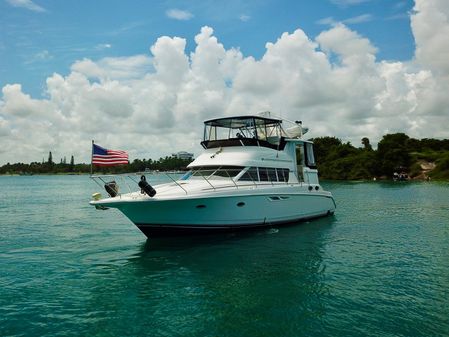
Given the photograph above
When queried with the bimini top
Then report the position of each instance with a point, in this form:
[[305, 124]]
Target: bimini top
[[243, 131], [242, 121]]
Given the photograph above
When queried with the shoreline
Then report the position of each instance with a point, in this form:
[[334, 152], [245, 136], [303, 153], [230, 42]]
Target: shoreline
[[383, 179]]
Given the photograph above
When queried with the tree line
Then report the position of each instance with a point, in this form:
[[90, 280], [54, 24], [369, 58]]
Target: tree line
[[395, 153], [335, 159], [168, 163]]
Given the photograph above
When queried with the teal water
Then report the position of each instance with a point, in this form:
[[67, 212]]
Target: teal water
[[379, 267]]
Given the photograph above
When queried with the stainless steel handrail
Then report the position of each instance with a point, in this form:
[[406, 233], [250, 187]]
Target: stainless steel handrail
[[125, 177], [179, 185]]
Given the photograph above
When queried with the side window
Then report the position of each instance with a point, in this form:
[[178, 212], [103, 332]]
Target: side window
[[283, 174], [272, 174], [263, 174], [266, 174], [286, 174], [250, 175]]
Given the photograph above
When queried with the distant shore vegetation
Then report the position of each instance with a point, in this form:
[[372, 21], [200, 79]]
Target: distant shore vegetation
[[137, 165], [422, 159], [396, 153]]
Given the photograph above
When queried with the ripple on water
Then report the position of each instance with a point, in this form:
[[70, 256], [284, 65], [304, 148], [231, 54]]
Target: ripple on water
[[379, 267]]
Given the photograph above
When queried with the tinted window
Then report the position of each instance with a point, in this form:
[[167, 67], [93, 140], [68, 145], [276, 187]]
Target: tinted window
[[272, 174], [266, 174], [227, 171], [217, 171], [281, 176], [250, 175], [263, 174], [285, 173]]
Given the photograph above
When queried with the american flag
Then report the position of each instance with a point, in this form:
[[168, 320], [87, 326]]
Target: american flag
[[104, 157]]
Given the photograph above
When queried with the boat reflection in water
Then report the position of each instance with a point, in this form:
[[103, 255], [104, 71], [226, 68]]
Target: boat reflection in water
[[252, 173], [234, 284]]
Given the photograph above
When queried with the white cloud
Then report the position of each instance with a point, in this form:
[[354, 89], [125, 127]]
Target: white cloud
[[44, 55], [399, 16], [41, 56], [27, 4], [330, 21], [179, 14], [114, 67], [5, 129], [359, 19], [20, 105], [103, 46], [345, 42], [327, 21], [154, 105], [244, 18], [430, 25]]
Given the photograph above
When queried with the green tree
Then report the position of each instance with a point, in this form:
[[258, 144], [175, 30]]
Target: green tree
[[366, 144], [323, 146], [393, 153], [72, 164]]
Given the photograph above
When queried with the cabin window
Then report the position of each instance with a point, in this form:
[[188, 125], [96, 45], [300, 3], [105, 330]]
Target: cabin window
[[203, 171], [213, 172], [272, 174], [283, 174], [263, 174], [266, 174], [310, 158], [250, 175], [227, 171]]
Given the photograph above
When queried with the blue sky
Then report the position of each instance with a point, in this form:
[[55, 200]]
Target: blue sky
[[142, 75], [42, 37]]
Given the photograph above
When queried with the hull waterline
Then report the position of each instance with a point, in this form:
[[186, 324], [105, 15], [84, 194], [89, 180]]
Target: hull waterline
[[161, 230], [216, 214]]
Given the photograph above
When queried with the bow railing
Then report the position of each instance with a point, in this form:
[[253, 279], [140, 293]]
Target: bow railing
[[214, 179]]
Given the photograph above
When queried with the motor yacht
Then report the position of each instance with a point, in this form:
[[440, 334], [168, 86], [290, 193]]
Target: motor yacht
[[252, 173]]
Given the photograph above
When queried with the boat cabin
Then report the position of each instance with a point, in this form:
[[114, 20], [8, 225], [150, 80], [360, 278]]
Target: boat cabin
[[241, 148], [244, 131]]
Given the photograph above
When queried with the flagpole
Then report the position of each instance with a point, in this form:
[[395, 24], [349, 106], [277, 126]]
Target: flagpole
[[91, 158]]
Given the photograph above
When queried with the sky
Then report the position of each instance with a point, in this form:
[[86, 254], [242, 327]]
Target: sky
[[142, 76]]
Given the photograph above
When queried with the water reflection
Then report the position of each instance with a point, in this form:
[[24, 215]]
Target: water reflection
[[238, 283]]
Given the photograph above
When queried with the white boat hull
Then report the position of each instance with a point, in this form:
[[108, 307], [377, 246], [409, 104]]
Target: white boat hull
[[220, 211]]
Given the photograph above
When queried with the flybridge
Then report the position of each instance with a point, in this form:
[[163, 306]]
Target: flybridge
[[244, 131]]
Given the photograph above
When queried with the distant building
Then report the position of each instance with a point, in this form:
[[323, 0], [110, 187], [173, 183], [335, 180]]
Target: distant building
[[183, 155]]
